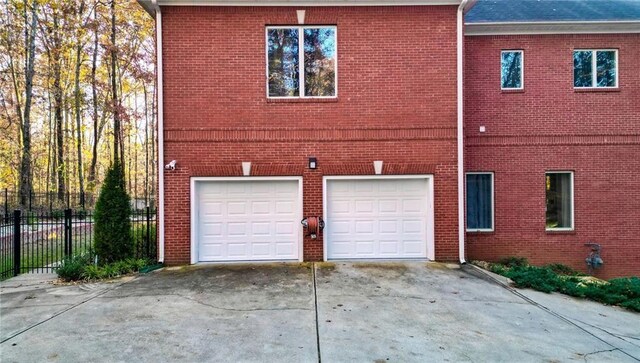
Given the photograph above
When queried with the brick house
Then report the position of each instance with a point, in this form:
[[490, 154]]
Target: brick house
[[277, 112]]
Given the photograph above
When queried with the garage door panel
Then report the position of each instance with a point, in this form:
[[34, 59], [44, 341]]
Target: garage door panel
[[248, 220], [388, 206], [284, 207], [389, 247], [339, 227], [364, 227], [260, 249], [260, 207], [413, 206], [388, 227], [377, 218]]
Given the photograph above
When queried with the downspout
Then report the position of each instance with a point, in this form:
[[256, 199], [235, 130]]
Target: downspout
[[460, 71], [160, 132]]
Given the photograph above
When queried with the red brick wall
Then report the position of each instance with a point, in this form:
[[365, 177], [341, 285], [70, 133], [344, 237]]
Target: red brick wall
[[396, 102], [551, 126]]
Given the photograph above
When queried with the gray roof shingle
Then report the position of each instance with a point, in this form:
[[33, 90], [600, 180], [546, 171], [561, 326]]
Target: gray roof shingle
[[507, 11]]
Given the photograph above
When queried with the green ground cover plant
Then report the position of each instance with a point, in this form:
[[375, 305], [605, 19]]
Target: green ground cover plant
[[83, 267], [624, 292]]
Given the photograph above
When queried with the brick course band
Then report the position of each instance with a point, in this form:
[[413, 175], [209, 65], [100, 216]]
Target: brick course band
[[265, 135], [546, 140]]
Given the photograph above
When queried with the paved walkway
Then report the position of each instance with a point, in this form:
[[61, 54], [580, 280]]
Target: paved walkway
[[343, 312]]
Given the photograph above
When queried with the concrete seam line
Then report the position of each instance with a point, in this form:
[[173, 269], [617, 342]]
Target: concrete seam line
[[557, 315], [315, 301], [63, 311]]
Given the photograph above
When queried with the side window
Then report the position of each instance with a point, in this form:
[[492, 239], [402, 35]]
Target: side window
[[559, 198], [479, 202], [511, 66], [301, 61], [595, 68]]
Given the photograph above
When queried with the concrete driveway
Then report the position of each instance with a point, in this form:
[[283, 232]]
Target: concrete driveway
[[343, 312]]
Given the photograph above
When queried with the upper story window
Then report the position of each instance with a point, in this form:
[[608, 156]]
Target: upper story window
[[512, 76], [595, 68], [301, 61]]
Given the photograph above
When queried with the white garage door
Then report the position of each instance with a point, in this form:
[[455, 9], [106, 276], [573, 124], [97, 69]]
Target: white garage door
[[247, 220], [377, 218]]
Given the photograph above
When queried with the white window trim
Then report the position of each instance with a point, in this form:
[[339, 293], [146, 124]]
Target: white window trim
[[493, 193], [194, 212], [431, 253], [594, 68], [521, 69], [301, 90], [572, 202]]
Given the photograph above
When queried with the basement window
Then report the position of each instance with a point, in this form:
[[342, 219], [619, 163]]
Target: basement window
[[595, 68], [479, 202], [301, 62], [511, 69], [559, 197]]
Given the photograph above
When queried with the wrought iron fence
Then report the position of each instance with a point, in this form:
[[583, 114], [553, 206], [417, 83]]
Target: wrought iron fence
[[34, 242]]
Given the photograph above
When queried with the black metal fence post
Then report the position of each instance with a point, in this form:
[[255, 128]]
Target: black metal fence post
[[148, 237], [16, 241], [68, 249]]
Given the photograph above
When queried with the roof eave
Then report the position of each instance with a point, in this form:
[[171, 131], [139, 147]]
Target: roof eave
[[148, 6], [553, 27]]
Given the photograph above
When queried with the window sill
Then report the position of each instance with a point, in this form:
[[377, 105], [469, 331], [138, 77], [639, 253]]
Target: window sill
[[560, 231], [481, 231], [595, 89], [506, 90], [303, 100]]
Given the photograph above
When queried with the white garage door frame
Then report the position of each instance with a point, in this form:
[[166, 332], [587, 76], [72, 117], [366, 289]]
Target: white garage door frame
[[429, 201], [194, 210]]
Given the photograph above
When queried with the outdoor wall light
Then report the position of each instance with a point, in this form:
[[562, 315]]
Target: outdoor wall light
[[313, 163]]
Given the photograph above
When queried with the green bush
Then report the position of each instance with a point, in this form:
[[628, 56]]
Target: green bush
[[115, 269], [92, 272], [556, 277], [561, 269], [514, 261], [541, 279], [72, 268], [112, 218], [57, 214]]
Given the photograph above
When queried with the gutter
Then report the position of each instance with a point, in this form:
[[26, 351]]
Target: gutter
[[460, 137], [553, 27], [160, 126]]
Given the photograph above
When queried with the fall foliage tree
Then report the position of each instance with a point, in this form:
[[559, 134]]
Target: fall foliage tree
[[77, 87]]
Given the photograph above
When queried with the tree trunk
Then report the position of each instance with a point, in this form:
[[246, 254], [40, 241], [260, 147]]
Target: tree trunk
[[26, 186], [96, 136], [78, 110], [57, 106], [114, 89]]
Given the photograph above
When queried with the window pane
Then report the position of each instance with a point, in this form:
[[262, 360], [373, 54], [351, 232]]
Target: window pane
[[582, 72], [606, 63], [283, 62], [320, 62], [511, 69], [479, 209], [559, 208]]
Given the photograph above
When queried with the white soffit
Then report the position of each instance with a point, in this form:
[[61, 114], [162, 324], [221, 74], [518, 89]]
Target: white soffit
[[149, 6], [556, 27]]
